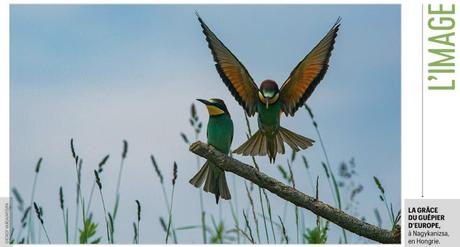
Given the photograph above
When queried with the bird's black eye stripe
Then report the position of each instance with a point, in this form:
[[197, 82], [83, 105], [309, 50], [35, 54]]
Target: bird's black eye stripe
[[223, 108], [215, 104]]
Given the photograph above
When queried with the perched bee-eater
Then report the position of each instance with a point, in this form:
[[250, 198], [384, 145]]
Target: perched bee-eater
[[268, 100], [220, 136]]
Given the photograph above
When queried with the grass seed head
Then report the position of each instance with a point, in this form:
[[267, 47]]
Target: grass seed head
[[325, 169], [72, 148], [138, 210], [379, 185], [98, 180], [356, 191], [345, 171], [185, 138], [284, 174], [378, 217], [61, 198], [38, 212], [18, 196], [174, 173], [293, 155], [305, 162], [125, 149], [136, 232], [102, 163], [157, 169], [24, 216], [39, 163], [193, 114], [163, 224]]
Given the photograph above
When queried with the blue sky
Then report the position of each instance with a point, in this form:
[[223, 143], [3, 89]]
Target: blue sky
[[101, 74]]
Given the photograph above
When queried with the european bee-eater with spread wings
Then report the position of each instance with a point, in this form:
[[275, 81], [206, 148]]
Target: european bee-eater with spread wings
[[268, 100]]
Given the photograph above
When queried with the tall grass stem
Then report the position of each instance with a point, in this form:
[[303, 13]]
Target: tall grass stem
[[336, 187], [172, 201]]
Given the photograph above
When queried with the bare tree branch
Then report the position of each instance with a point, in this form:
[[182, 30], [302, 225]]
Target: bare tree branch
[[294, 196]]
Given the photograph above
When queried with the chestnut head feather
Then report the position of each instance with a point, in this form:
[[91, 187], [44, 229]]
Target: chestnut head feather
[[269, 88], [268, 92]]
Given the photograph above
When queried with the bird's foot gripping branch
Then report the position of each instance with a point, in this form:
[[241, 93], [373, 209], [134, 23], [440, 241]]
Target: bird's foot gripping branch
[[294, 196]]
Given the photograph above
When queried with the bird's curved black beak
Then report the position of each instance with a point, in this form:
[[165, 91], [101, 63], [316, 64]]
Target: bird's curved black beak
[[204, 101]]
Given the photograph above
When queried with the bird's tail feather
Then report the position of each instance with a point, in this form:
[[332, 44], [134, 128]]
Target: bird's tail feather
[[261, 144], [295, 141], [200, 176], [215, 184], [223, 187]]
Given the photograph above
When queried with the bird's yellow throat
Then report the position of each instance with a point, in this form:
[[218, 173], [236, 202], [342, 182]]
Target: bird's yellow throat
[[214, 111], [270, 101]]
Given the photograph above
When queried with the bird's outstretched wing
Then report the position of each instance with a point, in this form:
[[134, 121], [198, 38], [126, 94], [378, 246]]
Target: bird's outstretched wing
[[233, 73], [308, 73]]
